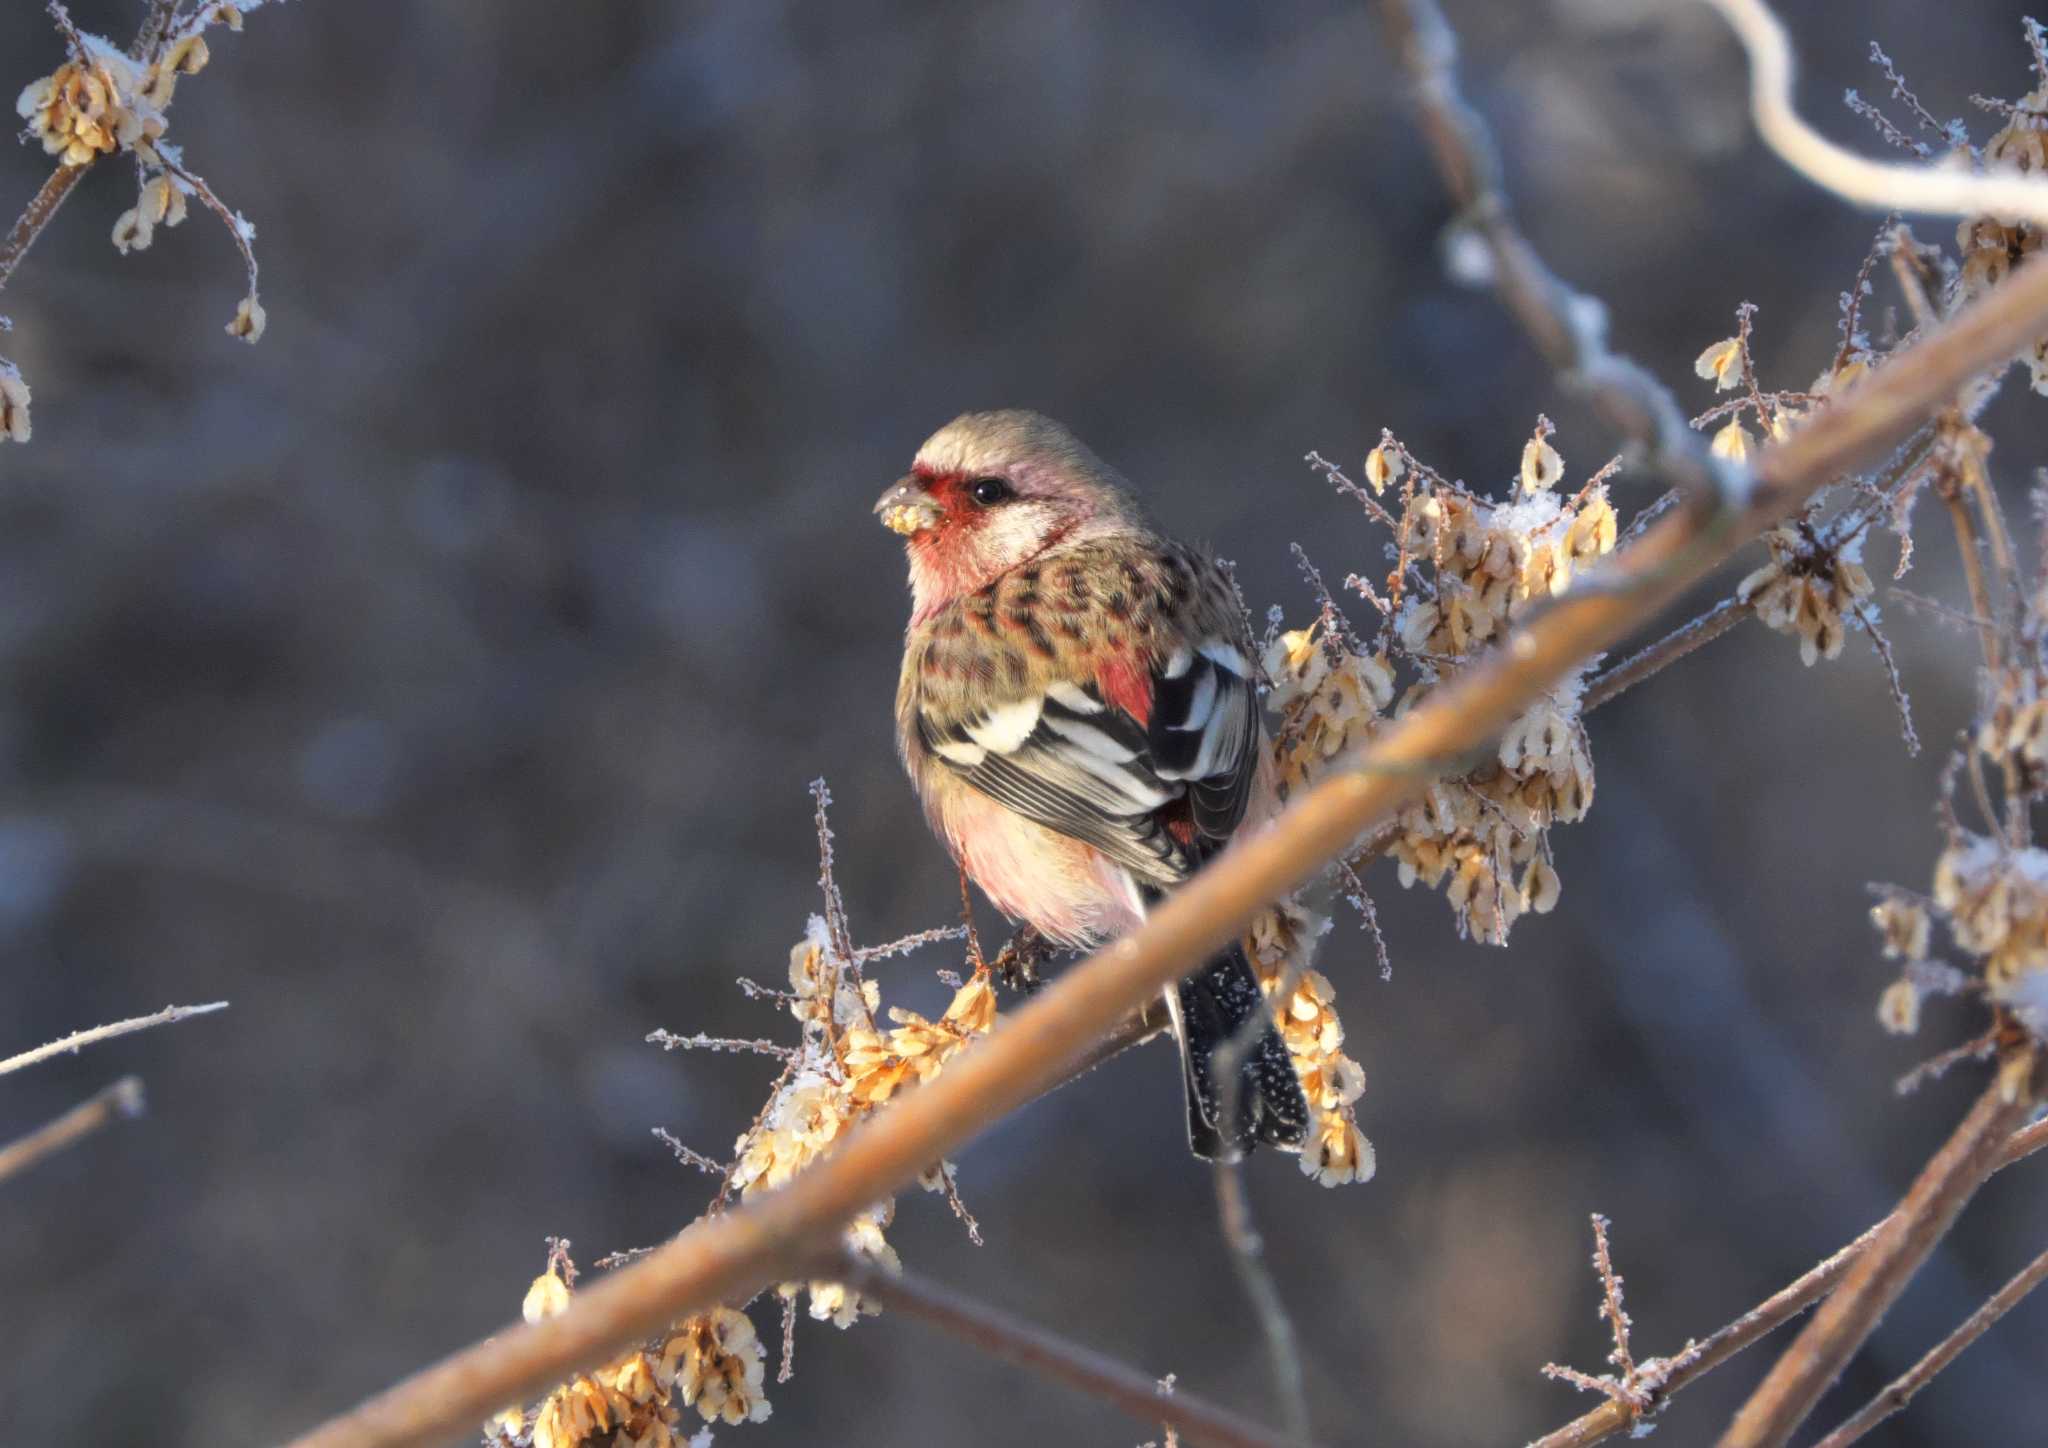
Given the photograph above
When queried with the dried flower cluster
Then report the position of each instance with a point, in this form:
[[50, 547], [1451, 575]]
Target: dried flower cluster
[[1988, 247], [845, 1067], [1990, 884], [1992, 246], [1993, 896], [1813, 586], [104, 101], [1281, 944], [713, 1362], [89, 106], [1466, 567], [1809, 590]]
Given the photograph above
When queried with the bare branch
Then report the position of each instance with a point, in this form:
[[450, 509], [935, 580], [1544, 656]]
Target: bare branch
[[1788, 1394], [1247, 1257], [1610, 684], [689, 1155], [1903, 1388], [670, 1041], [169, 1015], [1893, 681], [734, 1253], [117, 1102], [1699, 1359], [903, 945], [1029, 1346]]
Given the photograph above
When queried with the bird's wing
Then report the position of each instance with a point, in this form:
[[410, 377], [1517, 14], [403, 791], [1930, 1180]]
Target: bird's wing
[[1153, 767]]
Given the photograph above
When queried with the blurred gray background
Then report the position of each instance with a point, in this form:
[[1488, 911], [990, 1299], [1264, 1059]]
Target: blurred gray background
[[439, 681]]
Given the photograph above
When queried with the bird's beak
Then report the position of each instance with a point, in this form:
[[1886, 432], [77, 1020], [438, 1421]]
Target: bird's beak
[[907, 508]]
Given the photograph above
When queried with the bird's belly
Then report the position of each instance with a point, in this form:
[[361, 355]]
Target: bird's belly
[[1061, 887]]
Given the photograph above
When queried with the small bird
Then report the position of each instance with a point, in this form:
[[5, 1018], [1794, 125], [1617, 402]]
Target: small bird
[[1077, 713]]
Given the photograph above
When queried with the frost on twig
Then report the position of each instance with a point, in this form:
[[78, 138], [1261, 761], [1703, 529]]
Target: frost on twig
[[1636, 1388], [77, 1040]]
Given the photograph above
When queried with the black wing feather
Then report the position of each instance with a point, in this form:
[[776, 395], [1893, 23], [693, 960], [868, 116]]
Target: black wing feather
[[1092, 772]]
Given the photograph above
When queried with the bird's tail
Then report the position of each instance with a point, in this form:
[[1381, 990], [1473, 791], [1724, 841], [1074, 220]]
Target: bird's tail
[[1220, 1014]]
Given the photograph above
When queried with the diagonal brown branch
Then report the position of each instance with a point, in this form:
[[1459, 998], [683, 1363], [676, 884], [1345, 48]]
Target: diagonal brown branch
[[113, 1103], [1049, 1355], [1903, 1388], [1817, 1356], [733, 1254], [1757, 1323]]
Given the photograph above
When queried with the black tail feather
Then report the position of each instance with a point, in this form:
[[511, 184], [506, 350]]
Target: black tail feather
[[1219, 1004]]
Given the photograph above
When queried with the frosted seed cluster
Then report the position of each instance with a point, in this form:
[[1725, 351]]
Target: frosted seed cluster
[[1281, 944]]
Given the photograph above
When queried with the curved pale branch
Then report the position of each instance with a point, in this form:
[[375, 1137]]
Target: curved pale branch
[[1936, 190]]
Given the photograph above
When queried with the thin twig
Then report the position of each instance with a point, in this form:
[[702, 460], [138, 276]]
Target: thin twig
[[734, 1253], [169, 1015], [670, 1041], [1813, 1361], [1048, 1355], [1247, 1258], [1903, 1388], [950, 1187], [1610, 684], [239, 229], [1759, 1322], [1610, 1300], [905, 944], [1893, 680], [1136, 1029], [1234, 1209], [35, 216], [122, 1100], [689, 1155]]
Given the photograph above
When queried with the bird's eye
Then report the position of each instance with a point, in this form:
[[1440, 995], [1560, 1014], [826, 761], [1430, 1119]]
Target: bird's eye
[[989, 491]]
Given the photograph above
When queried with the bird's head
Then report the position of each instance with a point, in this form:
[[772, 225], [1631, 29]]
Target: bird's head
[[989, 492]]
